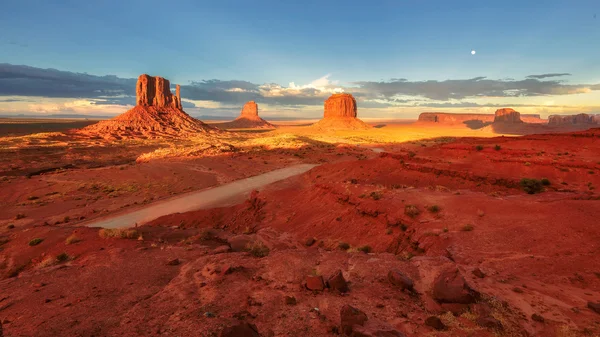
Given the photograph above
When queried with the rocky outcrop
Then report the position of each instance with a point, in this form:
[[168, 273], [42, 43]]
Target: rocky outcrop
[[507, 115], [156, 91], [248, 119], [157, 114], [450, 287], [340, 112], [579, 119], [472, 120], [340, 105]]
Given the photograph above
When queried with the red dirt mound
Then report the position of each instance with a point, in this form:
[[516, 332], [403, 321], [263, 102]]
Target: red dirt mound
[[248, 119], [158, 114], [340, 114]]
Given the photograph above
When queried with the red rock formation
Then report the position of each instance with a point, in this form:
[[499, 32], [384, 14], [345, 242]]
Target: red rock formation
[[248, 119], [474, 119], [157, 114], [340, 113], [579, 119], [340, 105], [507, 115]]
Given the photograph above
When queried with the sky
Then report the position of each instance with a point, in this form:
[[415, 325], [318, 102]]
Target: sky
[[398, 58]]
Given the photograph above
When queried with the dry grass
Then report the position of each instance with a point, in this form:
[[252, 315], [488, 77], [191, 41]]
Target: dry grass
[[258, 249], [467, 228], [54, 260], [35, 242], [72, 239], [411, 210], [120, 233]]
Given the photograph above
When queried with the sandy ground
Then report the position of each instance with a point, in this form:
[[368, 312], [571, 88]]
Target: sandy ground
[[427, 202]]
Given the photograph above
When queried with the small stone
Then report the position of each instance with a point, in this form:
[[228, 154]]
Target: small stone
[[351, 316], [435, 322], [400, 280], [478, 273], [337, 282], [290, 300], [594, 306], [315, 283], [310, 241], [537, 318], [518, 290], [173, 262], [239, 330]]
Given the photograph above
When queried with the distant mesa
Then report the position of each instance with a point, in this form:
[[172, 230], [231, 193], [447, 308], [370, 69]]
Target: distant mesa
[[477, 120], [579, 119], [157, 114], [248, 119], [507, 115], [341, 113]]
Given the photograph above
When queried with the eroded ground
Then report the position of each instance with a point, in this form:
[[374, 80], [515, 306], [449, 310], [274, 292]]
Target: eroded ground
[[422, 207]]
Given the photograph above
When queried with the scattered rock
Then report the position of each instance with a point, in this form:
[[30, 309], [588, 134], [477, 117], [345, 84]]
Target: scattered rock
[[481, 309], [351, 317], [400, 280], [435, 322], [456, 309], [240, 330], [239, 243], [450, 287], [290, 300], [221, 249], [594, 306], [209, 314], [173, 262], [309, 242], [315, 283], [537, 318], [490, 323], [478, 273], [337, 282], [517, 290]]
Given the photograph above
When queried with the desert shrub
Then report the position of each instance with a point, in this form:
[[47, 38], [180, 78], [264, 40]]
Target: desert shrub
[[411, 154], [365, 249], [62, 257], [479, 147], [32, 197], [10, 226], [545, 182], [389, 231], [411, 210], [258, 249], [121, 233], [445, 230], [72, 239], [66, 219], [47, 262], [403, 227], [467, 228], [207, 234], [375, 195], [434, 209], [497, 147], [35, 242], [19, 216], [532, 186], [343, 246]]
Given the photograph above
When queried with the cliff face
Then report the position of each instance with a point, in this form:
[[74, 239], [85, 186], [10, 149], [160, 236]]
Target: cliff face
[[507, 115], [156, 91], [249, 110], [340, 105]]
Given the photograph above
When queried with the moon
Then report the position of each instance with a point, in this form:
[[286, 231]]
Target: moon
[[473, 52]]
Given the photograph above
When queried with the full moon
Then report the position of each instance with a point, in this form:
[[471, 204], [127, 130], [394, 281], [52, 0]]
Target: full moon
[[472, 52]]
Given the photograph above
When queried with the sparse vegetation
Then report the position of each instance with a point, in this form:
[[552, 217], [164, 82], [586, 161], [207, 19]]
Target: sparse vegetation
[[258, 249], [35, 242], [10, 226], [532, 186], [411, 154], [434, 209], [445, 230], [411, 210], [467, 228], [120, 233], [365, 249], [479, 147], [19, 216], [343, 246], [375, 195], [403, 227], [72, 239], [32, 197], [497, 147], [545, 182], [389, 231]]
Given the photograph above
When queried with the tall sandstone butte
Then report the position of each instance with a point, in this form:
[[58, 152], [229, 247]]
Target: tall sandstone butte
[[507, 115], [250, 110], [340, 105], [156, 91]]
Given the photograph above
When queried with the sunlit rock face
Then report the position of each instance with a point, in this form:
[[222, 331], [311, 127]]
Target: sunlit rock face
[[340, 105], [250, 110], [579, 119], [507, 115], [156, 91]]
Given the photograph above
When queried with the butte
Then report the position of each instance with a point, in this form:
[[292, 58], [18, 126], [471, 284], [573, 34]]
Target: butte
[[248, 119], [340, 114], [157, 114]]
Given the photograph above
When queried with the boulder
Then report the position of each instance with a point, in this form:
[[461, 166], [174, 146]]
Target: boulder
[[351, 317], [507, 115], [315, 283], [240, 330], [435, 322], [400, 280], [239, 243], [595, 306], [450, 287], [337, 282], [340, 105]]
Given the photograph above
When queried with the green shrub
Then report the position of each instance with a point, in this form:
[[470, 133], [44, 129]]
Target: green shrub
[[479, 147], [35, 242], [497, 147], [434, 209], [343, 246], [545, 182], [365, 249], [532, 186]]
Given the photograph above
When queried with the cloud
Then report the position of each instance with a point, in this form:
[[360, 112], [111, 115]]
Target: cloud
[[549, 75]]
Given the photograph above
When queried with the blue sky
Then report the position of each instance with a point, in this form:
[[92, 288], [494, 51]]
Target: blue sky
[[280, 42]]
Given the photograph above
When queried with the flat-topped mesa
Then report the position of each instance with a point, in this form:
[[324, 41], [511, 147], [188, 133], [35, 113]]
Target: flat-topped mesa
[[507, 115], [250, 110], [340, 105], [579, 119], [156, 91]]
